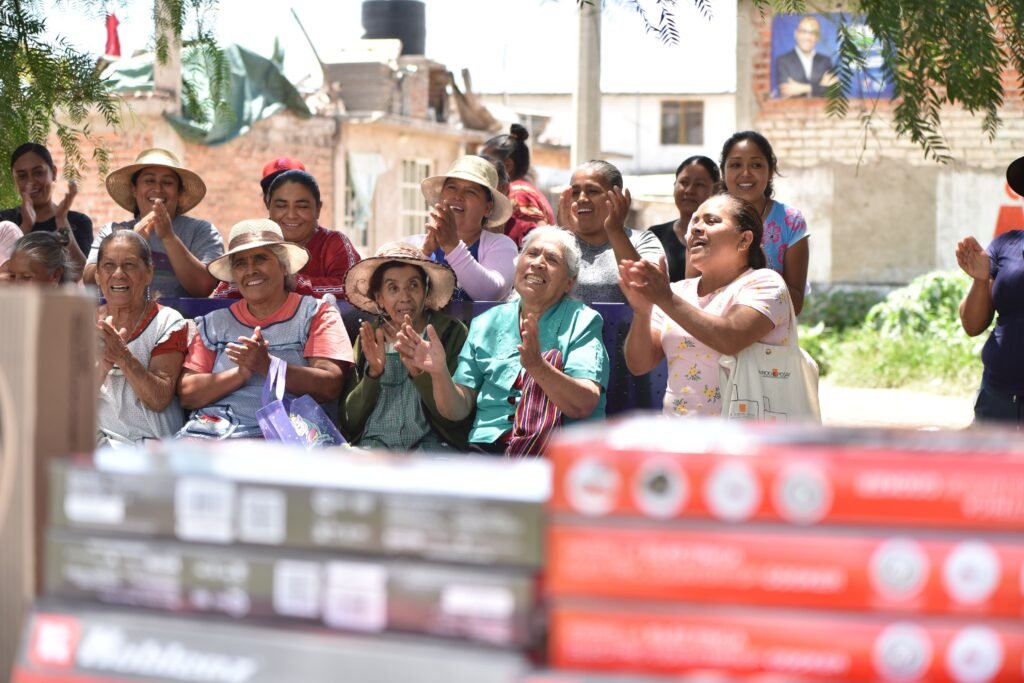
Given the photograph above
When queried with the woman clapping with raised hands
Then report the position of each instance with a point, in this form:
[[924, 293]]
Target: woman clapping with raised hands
[[735, 302]]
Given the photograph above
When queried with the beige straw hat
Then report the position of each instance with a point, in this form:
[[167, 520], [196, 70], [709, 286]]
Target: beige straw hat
[[119, 182], [439, 288], [252, 234], [480, 171]]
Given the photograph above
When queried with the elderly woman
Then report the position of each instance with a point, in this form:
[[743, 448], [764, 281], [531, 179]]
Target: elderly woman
[[158, 191], [696, 178], [229, 357], [293, 202], [40, 258], [142, 347], [530, 207], [734, 302], [526, 363], [748, 168], [594, 208], [464, 201], [387, 403]]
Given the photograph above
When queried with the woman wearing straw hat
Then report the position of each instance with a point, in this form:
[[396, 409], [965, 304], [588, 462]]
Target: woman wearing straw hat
[[464, 201], [996, 277], [158, 191], [390, 403], [229, 357]]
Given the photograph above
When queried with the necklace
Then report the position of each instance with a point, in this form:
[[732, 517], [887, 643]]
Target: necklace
[[131, 330], [764, 211]]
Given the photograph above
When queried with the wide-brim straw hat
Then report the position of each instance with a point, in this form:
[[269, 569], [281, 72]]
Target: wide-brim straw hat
[[1015, 176], [357, 282], [255, 233], [119, 182], [480, 171]]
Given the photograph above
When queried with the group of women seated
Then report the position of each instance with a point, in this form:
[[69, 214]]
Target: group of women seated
[[416, 377]]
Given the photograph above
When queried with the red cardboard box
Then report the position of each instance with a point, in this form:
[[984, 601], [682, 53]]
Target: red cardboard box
[[788, 567], [818, 646], [667, 469]]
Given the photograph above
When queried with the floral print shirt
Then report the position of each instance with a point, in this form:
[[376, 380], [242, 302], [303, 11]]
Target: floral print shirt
[[693, 387], [784, 226]]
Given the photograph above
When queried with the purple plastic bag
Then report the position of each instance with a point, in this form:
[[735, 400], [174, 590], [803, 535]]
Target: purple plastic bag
[[296, 422]]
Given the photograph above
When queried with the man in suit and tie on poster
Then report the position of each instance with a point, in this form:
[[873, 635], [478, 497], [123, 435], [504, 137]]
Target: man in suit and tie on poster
[[803, 72]]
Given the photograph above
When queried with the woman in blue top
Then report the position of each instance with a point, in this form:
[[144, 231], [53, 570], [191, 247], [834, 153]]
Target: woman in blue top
[[748, 167], [997, 282]]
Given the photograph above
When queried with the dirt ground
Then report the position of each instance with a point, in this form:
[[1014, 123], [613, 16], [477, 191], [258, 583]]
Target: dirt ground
[[856, 406]]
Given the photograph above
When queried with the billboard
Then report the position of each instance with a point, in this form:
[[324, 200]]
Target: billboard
[[804, 54]]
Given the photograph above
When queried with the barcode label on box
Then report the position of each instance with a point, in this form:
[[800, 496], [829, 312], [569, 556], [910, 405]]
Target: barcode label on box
[[203, 510], [262, 516], [297, 589], [357, 596], [485, 602], [86, 508]]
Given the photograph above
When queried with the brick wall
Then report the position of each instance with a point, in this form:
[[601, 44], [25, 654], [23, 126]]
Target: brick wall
[[231, 171], [877, 209]]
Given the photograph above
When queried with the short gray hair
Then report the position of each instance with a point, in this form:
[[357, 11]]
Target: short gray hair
[[570, 247]]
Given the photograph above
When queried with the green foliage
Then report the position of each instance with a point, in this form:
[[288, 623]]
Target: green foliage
[[936, 52], [44, 85], [47, 85], [912, 338], [838, 309], [821, 342]]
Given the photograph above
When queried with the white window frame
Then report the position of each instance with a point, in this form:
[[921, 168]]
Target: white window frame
[[414, 210]]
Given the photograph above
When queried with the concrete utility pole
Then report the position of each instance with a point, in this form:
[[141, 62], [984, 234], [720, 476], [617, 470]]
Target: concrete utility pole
[[586, 98]]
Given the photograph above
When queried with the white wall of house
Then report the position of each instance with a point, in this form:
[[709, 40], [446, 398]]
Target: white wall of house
[[631, 126]]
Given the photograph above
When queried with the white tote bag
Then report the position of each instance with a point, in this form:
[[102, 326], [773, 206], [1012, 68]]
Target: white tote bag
[[771, 383]]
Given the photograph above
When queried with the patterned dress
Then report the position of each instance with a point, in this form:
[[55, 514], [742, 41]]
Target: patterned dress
[[693, 382], [784, 226]]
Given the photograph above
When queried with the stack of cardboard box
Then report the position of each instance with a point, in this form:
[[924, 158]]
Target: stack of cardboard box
[[437, 558], [800, 553]]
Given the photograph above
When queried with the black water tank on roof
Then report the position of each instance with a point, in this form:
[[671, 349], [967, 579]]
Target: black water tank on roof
[[402, 19]]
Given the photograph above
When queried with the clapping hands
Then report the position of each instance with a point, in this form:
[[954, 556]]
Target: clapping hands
[[250, 354]]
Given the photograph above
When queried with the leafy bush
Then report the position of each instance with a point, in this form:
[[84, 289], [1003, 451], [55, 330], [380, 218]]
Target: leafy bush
[[821, 342], [912, 338], [839, 309]]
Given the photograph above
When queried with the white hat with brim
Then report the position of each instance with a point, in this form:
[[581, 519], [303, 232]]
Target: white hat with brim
[[480, 171], [357, 282], [119, 182], [253, 234]]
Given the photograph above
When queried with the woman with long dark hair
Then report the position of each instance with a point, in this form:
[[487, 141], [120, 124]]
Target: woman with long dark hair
[[34, 176], [748, 168]]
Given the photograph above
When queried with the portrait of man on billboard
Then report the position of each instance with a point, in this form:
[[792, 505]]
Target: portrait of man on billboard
[[803, 71], [805, 52]]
